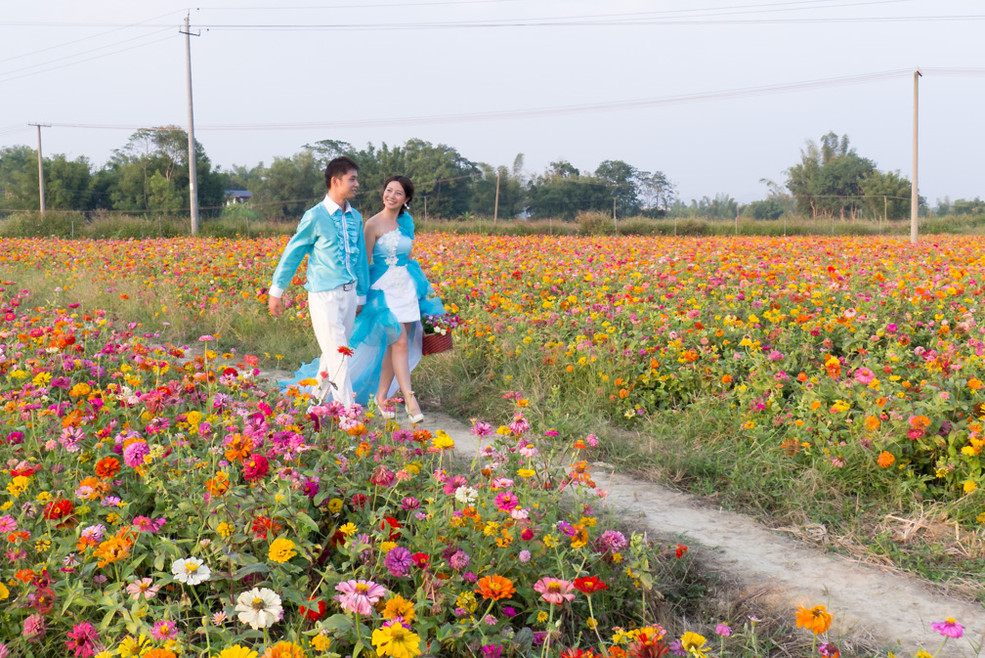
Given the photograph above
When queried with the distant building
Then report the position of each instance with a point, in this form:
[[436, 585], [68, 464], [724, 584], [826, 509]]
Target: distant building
[[237, 196]]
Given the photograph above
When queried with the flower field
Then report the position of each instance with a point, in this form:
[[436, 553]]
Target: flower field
[[156, 502]]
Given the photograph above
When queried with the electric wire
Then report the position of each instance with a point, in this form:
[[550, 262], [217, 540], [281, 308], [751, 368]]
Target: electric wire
[[88, 59]]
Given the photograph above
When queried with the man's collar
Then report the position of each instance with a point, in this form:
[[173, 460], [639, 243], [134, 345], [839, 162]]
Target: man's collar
[[332, 207]]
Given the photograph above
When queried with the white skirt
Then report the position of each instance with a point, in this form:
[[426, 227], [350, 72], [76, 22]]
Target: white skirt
[[400, 293]]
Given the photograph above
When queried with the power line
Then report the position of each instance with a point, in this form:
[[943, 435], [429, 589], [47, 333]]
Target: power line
[[3, 74], [540, 112], [92, 36], [88, 59]]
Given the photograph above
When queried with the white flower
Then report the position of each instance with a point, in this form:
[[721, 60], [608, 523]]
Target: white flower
[[259, 607], [466, 495], [191, 571]]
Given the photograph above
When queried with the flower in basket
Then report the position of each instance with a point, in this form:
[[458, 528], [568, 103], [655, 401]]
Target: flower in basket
[[440, 324]]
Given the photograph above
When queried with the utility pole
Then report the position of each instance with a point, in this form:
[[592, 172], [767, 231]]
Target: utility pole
[[496, 204], [192, 168], [40, 165], [914, 197]]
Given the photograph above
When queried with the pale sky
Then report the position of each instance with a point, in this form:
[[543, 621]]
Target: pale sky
[[716, 94]]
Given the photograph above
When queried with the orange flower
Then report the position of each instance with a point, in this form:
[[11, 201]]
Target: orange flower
[[239, 448], [872, 423], [974, 384], [107, 467], [817, 619], [160, 653], [886, 459], [218, 485], [113, 549], [496, 587]]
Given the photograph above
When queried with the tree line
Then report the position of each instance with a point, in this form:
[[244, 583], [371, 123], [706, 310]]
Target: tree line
[[149, 175]]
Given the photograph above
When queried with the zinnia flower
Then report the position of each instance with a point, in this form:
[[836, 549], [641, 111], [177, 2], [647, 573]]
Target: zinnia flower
[[948, 628], [398, 561], [694, 645], [496, 587], [82, 640], [190, 571], [284, 650], [259, 607], [143, 587], [554, 590], [815, 619], [281, 550], [589, 584], [237, 651], [396, 641], [359, 595]]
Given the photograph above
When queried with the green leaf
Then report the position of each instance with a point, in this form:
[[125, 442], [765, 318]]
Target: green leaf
[[256, 567], [339, 623], [307, 523]]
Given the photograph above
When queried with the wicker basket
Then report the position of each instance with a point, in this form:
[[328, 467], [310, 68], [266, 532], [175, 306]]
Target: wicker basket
[[435, 343]]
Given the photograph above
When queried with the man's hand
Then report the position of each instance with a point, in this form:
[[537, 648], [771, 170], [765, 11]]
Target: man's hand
[[359, 309], [274, 306]]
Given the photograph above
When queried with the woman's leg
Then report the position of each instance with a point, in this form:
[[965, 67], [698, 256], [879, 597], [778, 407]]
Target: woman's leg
[[386, 376], [401, 369]]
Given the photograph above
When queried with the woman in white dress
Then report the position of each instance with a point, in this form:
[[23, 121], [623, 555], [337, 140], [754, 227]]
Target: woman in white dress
[[387, 334]]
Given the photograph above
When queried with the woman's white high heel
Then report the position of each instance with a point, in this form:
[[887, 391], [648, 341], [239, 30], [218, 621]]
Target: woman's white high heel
[[386, 414], [413, 418]]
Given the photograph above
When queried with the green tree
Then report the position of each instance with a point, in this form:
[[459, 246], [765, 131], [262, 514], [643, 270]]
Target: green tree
[[68, 184], [887, 194], [18, 178], [562, 192], [828, 179], [289, 185], [164, 151]]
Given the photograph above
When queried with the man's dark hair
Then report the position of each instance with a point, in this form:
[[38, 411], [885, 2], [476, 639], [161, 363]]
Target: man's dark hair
[[337, 168]]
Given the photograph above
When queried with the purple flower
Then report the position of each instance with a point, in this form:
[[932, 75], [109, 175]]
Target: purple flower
[[459, 560], [398, 561]]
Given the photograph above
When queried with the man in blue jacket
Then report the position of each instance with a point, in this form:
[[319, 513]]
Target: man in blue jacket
[[330, 234]]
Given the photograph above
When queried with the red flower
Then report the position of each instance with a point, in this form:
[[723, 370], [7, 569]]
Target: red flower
[[681, 550], [394, 534], [255, 467], [262, 525], [421, 560], [590, 585], [58, 509], [314, 613], [347, 351], [527, 534]]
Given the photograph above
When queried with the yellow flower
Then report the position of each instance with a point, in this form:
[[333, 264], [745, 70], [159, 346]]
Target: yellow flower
[[969, 486], [18, 485], [349, 529], [526, 472], [541, 616], [236, 651], [549, 541], [396, 641], [321, 642], [694, 644], [467, 601], [136, 646], [4, 592], [335, 505], [281, 550], [387, 546], [224, 529], [442, 441]]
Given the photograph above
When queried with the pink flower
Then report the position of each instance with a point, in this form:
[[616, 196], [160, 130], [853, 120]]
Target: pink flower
[[134, 454], [7, 524], [34, 627], [948, 628], [255, 467], [555, 591], [143, 587], [507, 501], [864, 376], [359, 595], [164, 630], [83, 640], [724, 630]]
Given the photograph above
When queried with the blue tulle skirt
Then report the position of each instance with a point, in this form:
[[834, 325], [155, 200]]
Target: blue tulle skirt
[[375, 329]]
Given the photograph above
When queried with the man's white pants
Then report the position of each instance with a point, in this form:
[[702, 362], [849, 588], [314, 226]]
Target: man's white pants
[[333, 312]]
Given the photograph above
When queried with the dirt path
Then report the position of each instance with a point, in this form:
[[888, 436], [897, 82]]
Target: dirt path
[[866, 601]]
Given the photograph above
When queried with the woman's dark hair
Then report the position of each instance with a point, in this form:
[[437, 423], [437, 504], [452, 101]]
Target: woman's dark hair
[[404, 183]]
